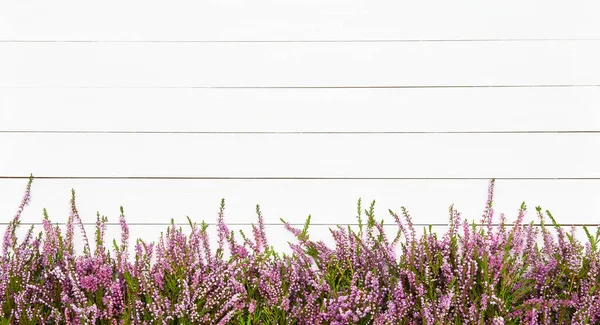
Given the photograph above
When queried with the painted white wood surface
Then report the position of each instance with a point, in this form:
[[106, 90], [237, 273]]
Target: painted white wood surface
[[329, 202], [76, 66], [292, 155], [301, 110], [299, 64], [297, 20]]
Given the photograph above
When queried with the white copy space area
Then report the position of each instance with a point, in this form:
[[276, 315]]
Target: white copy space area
[[300, 106]]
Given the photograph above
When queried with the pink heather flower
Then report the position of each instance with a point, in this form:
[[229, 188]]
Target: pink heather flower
[[460, 276], [9, 233], [251, 307]]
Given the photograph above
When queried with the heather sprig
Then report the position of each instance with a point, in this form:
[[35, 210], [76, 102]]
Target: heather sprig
[[474, 273]]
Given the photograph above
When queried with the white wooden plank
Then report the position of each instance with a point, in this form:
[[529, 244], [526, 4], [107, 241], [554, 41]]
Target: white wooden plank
[[298, 64], [329, 202], [305, 110], [275, 155], [296, 20]]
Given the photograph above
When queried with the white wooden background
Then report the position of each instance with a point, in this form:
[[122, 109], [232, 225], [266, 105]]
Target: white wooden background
[[300, 106]]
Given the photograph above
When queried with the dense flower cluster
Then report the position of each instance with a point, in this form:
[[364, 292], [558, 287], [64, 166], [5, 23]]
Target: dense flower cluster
[[472, 274]]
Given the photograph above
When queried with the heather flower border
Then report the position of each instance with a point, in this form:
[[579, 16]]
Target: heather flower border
[[472, 274]]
